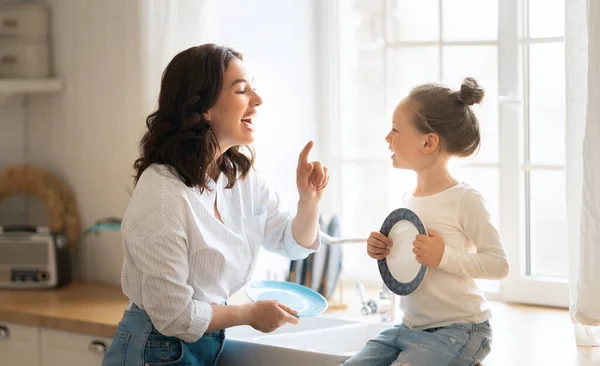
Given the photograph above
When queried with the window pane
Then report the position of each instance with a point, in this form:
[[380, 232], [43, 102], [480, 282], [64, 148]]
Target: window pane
[[470, 20], [480, 62], [363, 209], [547, 103], [361, 21], [362, 97], [364, 199], [549, 249], [410, 20], [358, 264], [546, 18], [407, 68], [402, 182]]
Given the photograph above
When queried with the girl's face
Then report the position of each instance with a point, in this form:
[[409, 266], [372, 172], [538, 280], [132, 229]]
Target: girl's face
[[232, 116], [411, 149]]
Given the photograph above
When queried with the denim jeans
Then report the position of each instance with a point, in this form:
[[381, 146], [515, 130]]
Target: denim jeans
[[138, 343], [456, 344]]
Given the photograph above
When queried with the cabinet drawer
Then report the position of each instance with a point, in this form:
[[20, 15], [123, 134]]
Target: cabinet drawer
[[24, 20], [24, 58], [19, 345], [66, 349]]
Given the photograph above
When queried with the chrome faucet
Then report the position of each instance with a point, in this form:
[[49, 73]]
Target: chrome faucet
[[384, 306]]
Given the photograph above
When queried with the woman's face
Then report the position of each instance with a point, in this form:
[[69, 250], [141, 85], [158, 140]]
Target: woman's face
[[232, 116]]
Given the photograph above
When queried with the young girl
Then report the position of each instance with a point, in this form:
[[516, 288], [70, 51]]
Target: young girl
[[445, 321]]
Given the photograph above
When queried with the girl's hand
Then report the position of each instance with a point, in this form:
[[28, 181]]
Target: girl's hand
[[311, 178], [267, 316], [429, 249], [378, 245]]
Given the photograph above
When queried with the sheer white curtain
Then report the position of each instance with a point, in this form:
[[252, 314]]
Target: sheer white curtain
[[583, 165]]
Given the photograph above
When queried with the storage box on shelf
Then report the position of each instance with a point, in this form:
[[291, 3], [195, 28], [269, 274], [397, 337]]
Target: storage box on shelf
[[24, 41], [25, 65]]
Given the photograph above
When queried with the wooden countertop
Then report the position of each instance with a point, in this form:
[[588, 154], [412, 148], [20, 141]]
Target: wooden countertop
[[86, 308], [89, 308]]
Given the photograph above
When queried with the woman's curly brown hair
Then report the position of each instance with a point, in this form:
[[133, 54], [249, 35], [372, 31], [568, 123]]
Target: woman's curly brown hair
[[178, 135]]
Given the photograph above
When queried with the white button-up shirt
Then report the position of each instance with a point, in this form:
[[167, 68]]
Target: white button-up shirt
[[180, 259]]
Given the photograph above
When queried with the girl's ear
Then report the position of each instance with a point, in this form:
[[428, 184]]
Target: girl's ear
[[206, 115], [430, 142]]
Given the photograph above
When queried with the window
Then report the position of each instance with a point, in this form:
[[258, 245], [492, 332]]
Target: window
[[544, 64], [514, 48]]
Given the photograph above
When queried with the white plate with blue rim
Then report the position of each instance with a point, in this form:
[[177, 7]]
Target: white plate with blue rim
[[400, 271], [304, 300]]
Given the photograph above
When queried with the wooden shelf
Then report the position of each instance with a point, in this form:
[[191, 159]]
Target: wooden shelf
[[9, 87]]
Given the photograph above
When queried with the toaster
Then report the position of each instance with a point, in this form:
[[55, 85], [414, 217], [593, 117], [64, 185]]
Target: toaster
[[33, 258]]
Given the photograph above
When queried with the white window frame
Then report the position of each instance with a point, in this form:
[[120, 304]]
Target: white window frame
[[519, 286]]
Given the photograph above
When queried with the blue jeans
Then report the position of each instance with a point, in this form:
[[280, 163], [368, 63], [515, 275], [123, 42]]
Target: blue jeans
[[138, 343], [456, 344]]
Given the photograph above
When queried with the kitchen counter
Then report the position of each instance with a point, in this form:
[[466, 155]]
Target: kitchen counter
[[95, 310], [86, 308]]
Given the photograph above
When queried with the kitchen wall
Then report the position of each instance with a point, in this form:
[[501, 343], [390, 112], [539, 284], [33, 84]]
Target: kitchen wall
[[111, 64], [13, 125], [87, 134]]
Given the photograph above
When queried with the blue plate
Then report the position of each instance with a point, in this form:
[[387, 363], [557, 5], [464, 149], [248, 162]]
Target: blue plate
[[400, 271], [300, 298]]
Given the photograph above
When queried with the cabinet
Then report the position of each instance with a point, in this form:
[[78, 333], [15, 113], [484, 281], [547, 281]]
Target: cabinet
[[66, 349], [22, 345], [19, 345]]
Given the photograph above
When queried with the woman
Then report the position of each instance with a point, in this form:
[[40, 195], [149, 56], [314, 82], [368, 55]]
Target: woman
[[199, 214]]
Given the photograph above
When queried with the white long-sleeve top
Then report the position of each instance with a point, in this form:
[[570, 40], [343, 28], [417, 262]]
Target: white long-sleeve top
[[180, 259], [473, 250]]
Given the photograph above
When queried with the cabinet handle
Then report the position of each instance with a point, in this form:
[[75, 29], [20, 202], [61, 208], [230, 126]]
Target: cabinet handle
[[97, 347], [10, 23], [8, 59], [4, 333]]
